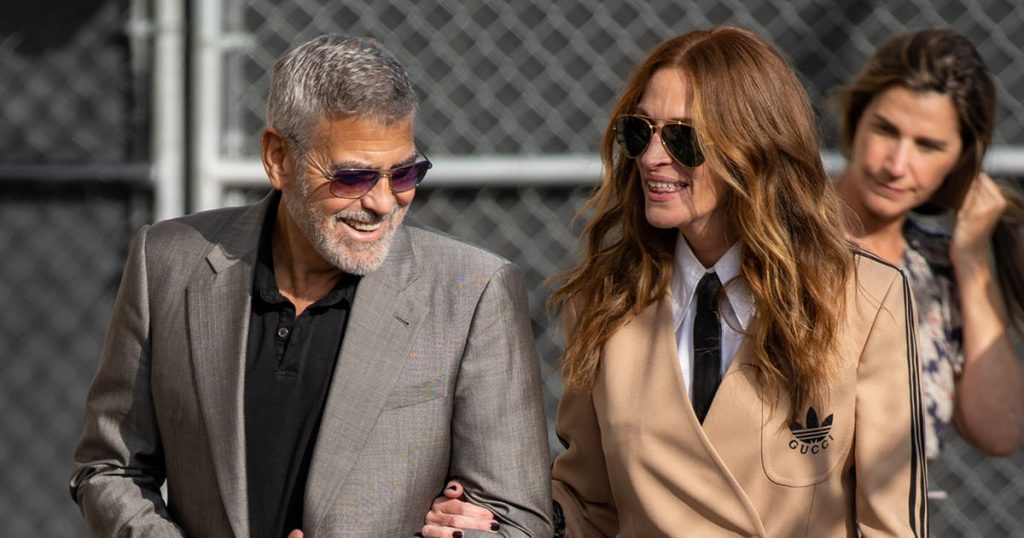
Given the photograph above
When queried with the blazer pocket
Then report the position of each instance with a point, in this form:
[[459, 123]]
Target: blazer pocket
[[416, 391], [808, 450]]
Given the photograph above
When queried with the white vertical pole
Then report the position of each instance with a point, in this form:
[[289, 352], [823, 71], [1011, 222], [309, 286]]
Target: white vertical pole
[[168, 108], [208, 27]]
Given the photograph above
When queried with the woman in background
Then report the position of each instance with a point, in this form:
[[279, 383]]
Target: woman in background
[[732, 364], [915, 125]]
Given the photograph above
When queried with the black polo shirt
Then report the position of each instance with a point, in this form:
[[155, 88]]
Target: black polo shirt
[[289, 366]]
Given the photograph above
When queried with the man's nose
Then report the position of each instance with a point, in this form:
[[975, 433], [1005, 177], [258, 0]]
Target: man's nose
[[380, 199]]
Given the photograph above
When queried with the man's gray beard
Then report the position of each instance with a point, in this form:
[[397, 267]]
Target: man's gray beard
[[344, 253]]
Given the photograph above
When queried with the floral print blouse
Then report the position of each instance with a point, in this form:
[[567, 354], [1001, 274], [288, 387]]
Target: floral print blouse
[[939, 331]]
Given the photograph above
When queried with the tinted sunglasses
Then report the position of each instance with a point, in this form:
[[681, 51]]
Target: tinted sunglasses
[[633, 132], [355, 182]]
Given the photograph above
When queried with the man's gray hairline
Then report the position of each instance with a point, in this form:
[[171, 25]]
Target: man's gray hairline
[[304, 142], [294, 109]]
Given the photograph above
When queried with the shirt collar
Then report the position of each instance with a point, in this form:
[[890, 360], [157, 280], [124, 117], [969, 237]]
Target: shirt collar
[[687, 272], [264, 281]]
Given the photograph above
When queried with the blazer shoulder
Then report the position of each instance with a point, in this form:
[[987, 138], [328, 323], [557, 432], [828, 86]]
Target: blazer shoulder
[[204, 224], [874, 273], [173, 241], [874, 279], [440, 249]]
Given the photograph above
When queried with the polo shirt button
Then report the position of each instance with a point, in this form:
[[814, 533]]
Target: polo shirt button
[[282, 332]]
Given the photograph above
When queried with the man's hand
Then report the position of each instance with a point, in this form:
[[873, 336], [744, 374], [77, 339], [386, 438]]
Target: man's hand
[[449, 514], [295, 534]]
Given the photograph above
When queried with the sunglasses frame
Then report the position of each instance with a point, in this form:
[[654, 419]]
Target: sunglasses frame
[[379, 174], [332, 179], [653, 127]]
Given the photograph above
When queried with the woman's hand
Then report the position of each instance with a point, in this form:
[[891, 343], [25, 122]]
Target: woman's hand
[[990, 390], [975, 222], [449, 514]]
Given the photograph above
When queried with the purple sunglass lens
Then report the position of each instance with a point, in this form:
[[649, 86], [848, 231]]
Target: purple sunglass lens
[[407, 177], [350, 183], [355, 183]]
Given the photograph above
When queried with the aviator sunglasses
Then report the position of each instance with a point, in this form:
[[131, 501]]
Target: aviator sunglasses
[[633, 132], [355, 182]]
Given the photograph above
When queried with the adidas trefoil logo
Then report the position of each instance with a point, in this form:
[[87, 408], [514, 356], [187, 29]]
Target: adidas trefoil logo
[[812, 437]]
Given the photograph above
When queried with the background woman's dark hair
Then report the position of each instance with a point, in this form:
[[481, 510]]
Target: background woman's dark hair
[[943, 61]]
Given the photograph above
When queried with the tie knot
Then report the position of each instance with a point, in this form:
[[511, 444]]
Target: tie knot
[[707, 292]]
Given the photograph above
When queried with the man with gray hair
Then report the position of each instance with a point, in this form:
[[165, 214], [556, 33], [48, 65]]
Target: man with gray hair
[[309, 365]]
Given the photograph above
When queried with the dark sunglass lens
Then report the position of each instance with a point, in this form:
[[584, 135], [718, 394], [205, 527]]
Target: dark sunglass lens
[[681, 141], [633, 134], [405, 178], [353, 183]]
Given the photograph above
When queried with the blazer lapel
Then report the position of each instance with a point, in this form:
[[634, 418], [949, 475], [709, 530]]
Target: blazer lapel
[[218, 306], [695, 444], [376, 343], [738, 400]]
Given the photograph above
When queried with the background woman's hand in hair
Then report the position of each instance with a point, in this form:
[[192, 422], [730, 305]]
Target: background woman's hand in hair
[[450, 513], [989, 410], [975, 221]]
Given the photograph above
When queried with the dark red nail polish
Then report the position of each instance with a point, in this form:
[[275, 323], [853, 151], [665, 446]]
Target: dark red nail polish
[[495, 526], [457, 534]]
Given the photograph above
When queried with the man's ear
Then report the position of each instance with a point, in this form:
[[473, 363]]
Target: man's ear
[[274, 151]]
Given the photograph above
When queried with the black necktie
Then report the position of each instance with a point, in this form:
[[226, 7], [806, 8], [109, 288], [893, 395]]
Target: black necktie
[[707, 345]]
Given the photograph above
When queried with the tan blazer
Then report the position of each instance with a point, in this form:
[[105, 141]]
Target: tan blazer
[[639, 463]]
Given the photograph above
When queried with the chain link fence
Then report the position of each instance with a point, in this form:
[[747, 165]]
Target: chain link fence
[[73, 132], [519, 78], [73, 88], [539, 77], [63, 245]]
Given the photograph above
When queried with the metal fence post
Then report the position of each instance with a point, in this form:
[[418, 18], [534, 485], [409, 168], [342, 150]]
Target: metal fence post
[[206, 140], [168, 109]]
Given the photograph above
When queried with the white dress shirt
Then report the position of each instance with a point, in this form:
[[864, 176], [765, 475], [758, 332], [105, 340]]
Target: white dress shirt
[[735, 311]]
